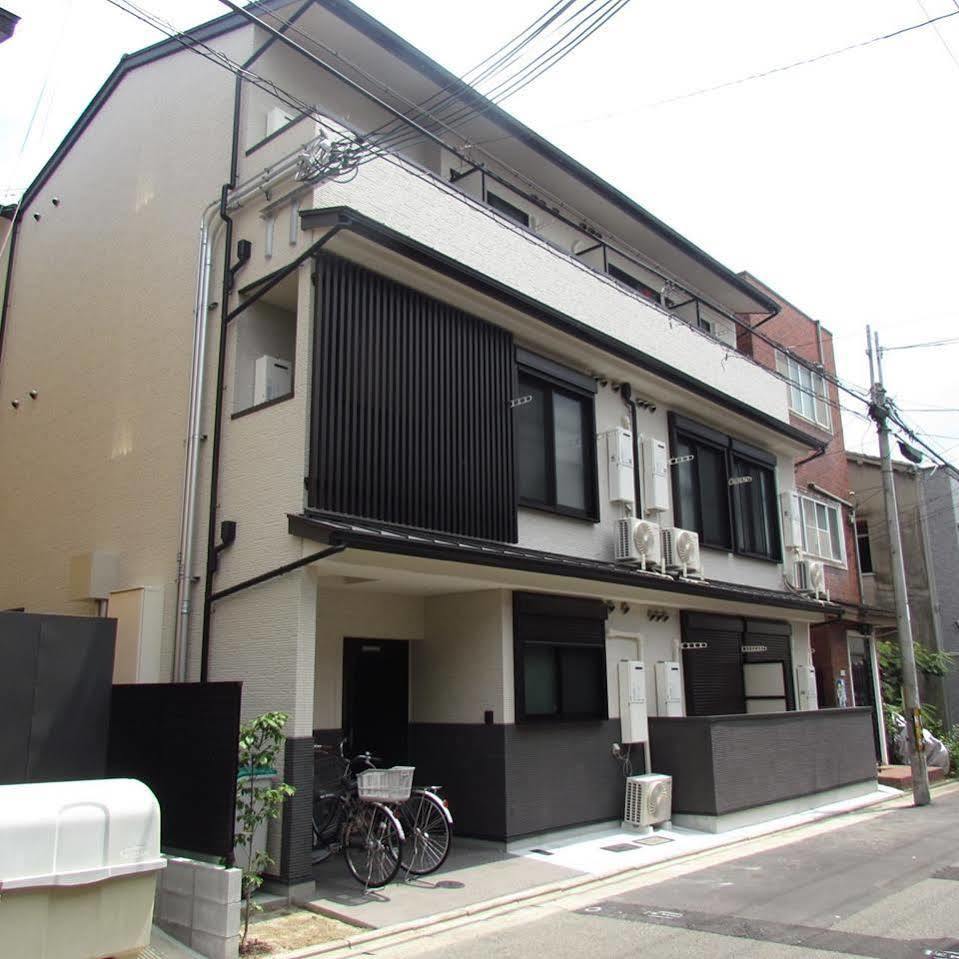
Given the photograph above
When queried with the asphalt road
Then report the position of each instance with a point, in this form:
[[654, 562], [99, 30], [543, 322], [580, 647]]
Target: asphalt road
[[883, 884]]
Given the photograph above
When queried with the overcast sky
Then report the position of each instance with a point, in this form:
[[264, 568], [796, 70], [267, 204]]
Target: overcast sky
[[834, 182]]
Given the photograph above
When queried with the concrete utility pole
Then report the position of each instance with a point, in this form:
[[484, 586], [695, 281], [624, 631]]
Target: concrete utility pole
[[879, 411]]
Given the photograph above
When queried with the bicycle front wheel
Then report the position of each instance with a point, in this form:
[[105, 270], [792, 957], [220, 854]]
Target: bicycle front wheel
[[428, 834], [373, 846]]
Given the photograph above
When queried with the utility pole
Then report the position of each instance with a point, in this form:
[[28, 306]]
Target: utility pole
[[879, 411]]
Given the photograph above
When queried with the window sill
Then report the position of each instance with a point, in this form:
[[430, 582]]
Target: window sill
[[565, 512], [557, 720], [806, 419], [262, 406]]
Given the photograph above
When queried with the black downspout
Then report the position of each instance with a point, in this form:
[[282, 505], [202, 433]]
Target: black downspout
[[14, 231], [211, 550]]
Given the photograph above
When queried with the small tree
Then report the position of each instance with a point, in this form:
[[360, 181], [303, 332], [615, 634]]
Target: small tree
[[257, 803]]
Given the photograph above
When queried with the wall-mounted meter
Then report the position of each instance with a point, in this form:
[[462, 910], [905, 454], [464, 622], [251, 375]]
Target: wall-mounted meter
[[655, 475], [806, 695], [632, 701], [619, 458], [669, 690]]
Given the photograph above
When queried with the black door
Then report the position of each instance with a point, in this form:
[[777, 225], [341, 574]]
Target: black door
[[376, 698]]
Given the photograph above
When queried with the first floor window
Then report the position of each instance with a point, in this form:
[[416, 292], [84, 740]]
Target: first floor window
[[559, 657], [555, 446], [724, 490]]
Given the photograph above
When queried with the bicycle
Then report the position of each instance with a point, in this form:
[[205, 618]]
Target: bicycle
[[427, 827], [351, 820], [428, 830]]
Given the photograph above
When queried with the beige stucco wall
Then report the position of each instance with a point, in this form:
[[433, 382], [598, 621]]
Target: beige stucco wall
[[363, 615], [100, 323], [459, 670]]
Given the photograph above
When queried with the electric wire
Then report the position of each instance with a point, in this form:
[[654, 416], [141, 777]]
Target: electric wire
[[221, 59]]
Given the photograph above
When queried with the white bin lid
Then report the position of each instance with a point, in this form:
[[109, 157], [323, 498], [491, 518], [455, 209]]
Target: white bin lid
[[73, 833]]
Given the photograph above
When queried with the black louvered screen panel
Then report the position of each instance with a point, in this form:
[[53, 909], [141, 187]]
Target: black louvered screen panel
[[713, 665], [411, 419]]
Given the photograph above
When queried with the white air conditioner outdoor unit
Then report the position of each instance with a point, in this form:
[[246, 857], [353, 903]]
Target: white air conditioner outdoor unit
[[638, 541], [649, 800], [681, 550], [810, 577]]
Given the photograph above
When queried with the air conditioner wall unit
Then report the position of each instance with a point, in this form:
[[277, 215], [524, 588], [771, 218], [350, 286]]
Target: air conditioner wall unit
[[809, 576], [638, 541], [681, 550], [649, 801]]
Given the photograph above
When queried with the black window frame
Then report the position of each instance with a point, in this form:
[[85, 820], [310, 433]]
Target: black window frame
[[555, 379], [508, 209], [698, 436], [534, 613]]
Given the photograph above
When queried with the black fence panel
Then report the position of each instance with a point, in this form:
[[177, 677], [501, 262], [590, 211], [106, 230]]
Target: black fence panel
[[181, 740], [55, 679]]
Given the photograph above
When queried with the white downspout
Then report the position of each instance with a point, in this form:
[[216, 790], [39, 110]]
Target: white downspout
[[209, 230]]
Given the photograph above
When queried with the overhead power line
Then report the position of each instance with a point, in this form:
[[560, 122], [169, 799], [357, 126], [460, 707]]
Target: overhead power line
[[921, 346], [361, 146]]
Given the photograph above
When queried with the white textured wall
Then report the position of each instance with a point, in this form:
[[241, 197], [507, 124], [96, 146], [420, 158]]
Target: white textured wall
[[458, 669], [441, 217]]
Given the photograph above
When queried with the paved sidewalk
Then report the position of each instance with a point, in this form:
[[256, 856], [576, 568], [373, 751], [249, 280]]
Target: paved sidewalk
[[478, 875]]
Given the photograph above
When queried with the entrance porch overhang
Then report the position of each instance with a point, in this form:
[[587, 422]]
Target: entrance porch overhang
[[378, 556]]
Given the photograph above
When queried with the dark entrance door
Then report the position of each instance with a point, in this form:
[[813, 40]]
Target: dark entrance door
[[376, 697]]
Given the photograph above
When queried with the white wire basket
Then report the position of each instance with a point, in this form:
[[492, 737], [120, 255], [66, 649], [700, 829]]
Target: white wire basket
[[385, 785]]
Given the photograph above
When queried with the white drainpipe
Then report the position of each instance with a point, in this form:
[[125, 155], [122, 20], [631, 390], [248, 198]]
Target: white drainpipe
[[210, 226]]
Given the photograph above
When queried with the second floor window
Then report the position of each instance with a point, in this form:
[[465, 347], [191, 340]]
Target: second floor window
[[726, 491], [822, 534], [865, 550], [555, 445], [808, 391], [507, 208]]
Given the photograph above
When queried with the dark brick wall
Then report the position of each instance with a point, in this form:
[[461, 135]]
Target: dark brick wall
[[563, 775], [505, 782], [469, 761], [296, 849], [723, 764]]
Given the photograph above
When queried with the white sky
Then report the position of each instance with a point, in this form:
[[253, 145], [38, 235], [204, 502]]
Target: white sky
[[835, 182]]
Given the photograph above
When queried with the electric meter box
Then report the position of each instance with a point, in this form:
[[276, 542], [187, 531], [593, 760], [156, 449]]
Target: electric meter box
[[807, 696], [669, 689], [632, 701], [622, 477], [655, 475], [78, 868]]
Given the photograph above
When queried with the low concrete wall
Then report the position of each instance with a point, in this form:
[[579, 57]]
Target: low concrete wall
[[724, 764], [198, 904]]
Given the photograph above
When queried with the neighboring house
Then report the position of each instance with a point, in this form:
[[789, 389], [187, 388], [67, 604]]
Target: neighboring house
[[939, 521], [8, 23], [820, 515], [928, 502], [431, 391]]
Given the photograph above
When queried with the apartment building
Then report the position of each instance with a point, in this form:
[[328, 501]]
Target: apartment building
[[421, 444]]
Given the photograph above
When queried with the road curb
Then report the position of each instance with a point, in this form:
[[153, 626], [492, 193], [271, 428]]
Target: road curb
[[454, 918]]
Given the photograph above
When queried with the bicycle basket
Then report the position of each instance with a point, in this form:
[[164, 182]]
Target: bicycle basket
[[385, 785]]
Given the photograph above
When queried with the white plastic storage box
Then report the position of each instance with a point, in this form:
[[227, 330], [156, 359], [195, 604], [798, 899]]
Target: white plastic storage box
[[78, 869]]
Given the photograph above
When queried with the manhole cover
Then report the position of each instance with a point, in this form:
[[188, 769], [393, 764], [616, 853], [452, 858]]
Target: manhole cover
[[620, 847]]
